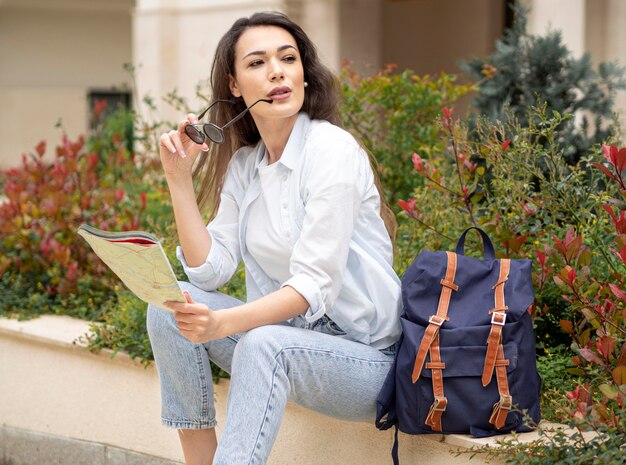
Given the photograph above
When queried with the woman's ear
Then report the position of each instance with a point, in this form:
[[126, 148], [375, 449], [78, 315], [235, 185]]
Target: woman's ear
[[232, 83]]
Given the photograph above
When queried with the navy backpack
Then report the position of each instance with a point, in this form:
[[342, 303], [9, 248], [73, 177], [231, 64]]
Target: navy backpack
[[466, 360]]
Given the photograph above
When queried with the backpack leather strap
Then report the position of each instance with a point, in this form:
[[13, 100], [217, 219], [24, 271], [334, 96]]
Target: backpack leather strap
[[498, 318], [435, 321], [494, 360], [430, 343], [501, 408], [439, 405]]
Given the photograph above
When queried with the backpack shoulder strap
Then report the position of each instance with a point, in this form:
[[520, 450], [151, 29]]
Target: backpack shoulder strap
[[430, 343], [435, 321], [495, 352], [498, 318]]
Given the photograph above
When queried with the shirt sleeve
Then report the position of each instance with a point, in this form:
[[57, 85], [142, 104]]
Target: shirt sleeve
[[225, 253], [335, 179]]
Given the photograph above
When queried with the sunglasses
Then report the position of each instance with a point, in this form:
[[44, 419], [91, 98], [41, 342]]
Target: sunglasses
[[199, 132]]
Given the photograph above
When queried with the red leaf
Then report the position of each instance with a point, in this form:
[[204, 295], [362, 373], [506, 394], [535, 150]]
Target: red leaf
[[505, 144], [408, 207], [417, 162], [41, 148], [618, 292], [620, 223], [98, 107], [606, 346], [566, 325], [604, 169], [621, 254], [558, 245], [620, 160], [615, 156], [529, 209], [591, 356], [541, 258], [571, 395], [571, 275], [610, 153]]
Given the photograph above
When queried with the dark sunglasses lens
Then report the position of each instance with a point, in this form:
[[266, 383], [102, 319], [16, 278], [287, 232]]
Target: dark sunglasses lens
[[194, 134], [214, 133]]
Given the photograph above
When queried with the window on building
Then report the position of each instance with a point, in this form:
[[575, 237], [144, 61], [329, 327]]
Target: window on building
[[105, 102]]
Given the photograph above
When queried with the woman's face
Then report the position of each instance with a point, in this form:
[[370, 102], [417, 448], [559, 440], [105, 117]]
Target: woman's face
[[268, 65]]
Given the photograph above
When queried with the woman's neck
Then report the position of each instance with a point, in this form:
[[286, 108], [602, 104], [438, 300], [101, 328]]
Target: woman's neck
[[275, 134]]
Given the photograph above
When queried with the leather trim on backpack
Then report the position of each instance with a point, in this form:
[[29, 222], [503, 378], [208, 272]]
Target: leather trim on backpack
[[494, 359], [430, 343], [435, 321], [498, 318]]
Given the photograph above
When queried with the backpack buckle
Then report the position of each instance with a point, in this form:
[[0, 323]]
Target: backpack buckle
[[440, 404], [506, 402], [436, 320], [498, 318]]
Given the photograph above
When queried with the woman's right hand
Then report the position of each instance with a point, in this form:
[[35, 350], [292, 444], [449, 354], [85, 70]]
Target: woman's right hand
[[177, 151]]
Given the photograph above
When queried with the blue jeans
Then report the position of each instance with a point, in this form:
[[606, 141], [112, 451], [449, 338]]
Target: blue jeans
[[303, 362]]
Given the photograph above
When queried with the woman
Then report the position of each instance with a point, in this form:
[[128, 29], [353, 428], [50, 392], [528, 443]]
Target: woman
[[299, 204]]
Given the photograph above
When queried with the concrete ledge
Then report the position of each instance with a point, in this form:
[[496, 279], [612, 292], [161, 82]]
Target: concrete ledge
[[60, 399], [24, 447]]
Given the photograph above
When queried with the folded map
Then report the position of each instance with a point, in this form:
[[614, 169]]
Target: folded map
[[139, 260]]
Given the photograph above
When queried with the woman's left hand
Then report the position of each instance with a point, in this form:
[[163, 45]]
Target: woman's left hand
[[196, 322]]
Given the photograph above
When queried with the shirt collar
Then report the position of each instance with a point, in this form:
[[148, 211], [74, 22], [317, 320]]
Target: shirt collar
[[294, 146]]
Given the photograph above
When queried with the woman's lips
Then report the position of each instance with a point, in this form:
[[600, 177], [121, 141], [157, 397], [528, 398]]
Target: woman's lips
[[280, 93], [281, 96]]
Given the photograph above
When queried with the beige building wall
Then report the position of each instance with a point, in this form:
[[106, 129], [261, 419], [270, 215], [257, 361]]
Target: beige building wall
[[567, 16], [361, 34], [174, 42], [430, 36], [321, 20], [52, 52]]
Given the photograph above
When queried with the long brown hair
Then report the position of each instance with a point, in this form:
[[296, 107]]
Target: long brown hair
[[321, 101]]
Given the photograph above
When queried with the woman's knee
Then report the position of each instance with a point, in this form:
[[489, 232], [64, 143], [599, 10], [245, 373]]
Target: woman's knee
[[267, 340], [159, 321]]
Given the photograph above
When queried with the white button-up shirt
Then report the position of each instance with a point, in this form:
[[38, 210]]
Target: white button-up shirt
[[341, 255]]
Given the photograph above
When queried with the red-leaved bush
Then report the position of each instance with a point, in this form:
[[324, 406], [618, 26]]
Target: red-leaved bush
[[47, 198]]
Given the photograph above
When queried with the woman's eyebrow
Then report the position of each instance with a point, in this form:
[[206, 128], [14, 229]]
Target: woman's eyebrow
[[263, 52]]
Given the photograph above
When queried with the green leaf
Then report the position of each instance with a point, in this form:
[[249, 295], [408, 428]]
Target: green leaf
[[609, 392], [576, 371]]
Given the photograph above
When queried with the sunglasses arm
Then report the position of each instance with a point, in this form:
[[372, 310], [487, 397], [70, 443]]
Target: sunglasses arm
[[201, 115], [241, 115]]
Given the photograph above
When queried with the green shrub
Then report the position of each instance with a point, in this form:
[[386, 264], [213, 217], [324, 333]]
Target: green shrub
[[394, 115], [520, 190], [554, 366], [123, 328], [602, 445], [527, 70]]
